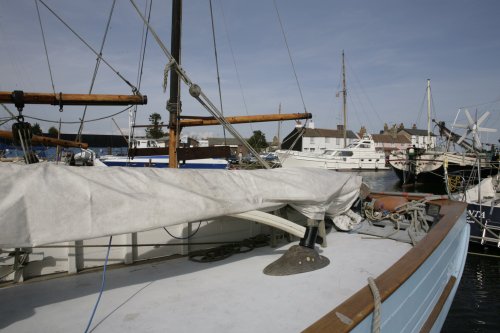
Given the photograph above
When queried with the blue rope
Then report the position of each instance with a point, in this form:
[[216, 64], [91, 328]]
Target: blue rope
[[103, 283]]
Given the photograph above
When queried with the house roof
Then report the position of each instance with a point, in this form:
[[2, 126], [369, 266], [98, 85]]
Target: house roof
[[328, 133], [417, 132], [388, 138]]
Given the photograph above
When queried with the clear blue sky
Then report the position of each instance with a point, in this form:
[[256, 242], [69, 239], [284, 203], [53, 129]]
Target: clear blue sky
[[392, 47]]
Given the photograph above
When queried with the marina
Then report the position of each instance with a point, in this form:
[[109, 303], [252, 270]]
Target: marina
[[325, 230]]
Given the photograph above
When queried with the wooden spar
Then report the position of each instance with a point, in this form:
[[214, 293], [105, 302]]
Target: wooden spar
[[207, 121], [73, 99], [245, 119], [47, 141]]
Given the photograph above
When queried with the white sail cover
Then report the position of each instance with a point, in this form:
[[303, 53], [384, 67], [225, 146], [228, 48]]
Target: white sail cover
[[46, 203]]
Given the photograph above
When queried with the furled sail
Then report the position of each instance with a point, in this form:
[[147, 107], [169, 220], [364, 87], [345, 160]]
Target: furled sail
[[48, 203]]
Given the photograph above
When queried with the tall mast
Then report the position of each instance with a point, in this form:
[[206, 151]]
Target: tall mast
[[174, 103], [344, 95], [428, 112]]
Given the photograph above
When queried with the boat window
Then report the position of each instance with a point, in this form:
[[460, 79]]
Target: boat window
[[343, 153]]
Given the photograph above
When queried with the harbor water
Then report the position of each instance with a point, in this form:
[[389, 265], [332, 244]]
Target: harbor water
[[476, 307]]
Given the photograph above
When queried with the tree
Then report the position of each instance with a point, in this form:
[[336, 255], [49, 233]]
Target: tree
[[155, 131], [36, 130], [53, 131], [258, 141]]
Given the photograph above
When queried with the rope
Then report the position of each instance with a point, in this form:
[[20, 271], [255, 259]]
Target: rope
[[415, 211], [198, 94], [77, 122], [188, 236], [217, 67], [376, 305], [45, 46], [226, 250], [290, 56], [234, 63], [134, 89], [96, 69], [299, 135], [18, 264], [103, 284]]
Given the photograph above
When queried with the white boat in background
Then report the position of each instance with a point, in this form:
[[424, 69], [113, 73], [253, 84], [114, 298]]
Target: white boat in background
[[159, 161], [360, 155]]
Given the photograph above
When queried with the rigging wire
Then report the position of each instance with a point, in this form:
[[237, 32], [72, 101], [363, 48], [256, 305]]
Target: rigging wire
[[217, 66], [353, 107], [134, 89], [103, 284], [290, 55], [96, 69], [421, 107], [45, 47], [234, 63], [142, 56], [197, 93], [77, 122], [358, 82]]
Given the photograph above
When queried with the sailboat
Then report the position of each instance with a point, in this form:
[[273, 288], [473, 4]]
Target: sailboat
[[359, 155], [128, 218], [429, 164]]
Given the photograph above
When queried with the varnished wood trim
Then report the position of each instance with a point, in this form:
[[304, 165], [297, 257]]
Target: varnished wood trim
[[360, 305], [74, 99], [439, 305]]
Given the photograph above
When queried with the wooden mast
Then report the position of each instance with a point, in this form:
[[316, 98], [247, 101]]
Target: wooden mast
[[344, 95], [174, 104], [428, 113], [279, 128]]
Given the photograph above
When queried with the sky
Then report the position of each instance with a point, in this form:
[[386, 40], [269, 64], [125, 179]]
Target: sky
[[391, 48]]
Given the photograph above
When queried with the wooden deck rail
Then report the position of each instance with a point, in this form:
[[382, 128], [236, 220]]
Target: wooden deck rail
[[360, 305]]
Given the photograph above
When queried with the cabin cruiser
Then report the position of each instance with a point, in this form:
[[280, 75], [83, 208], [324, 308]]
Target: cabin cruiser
[[359, 155]]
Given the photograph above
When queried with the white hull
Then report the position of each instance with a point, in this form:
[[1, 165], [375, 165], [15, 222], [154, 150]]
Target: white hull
[[360, 155], [294, 160], [424, 163]]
